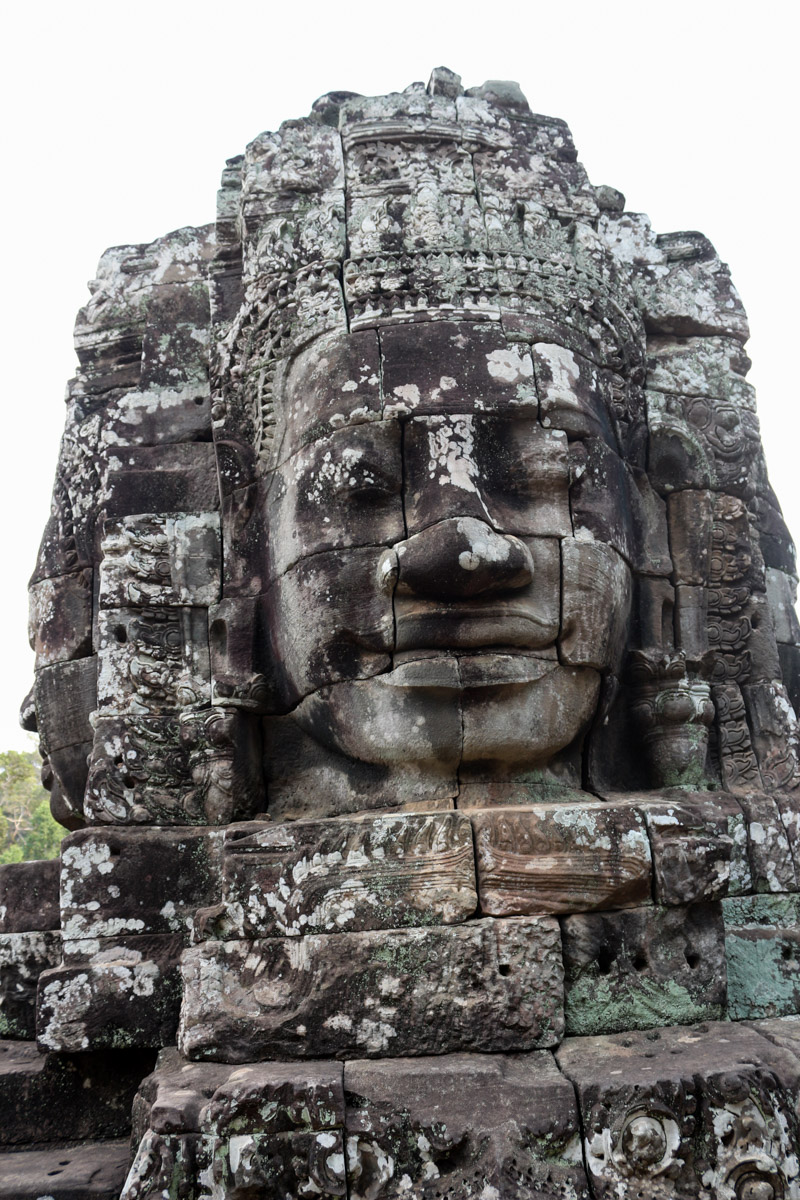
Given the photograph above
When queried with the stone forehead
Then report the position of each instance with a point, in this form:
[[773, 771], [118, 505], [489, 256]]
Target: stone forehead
[[437, 368]]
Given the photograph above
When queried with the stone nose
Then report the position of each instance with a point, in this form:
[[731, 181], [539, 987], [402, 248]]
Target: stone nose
[[461, 557]]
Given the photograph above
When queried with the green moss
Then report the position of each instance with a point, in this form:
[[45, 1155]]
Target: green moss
[[781, 911], [762, 976], [595, 1005]]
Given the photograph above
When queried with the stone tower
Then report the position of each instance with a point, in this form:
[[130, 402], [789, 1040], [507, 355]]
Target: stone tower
[[416, 673]]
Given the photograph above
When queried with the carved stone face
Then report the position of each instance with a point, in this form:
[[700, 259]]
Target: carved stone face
[[432, 607]]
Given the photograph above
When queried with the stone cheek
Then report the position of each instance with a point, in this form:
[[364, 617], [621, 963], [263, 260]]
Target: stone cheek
[[489, 985]]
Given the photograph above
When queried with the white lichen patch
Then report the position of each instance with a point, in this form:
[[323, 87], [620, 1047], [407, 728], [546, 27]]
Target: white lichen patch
[[510, 365]]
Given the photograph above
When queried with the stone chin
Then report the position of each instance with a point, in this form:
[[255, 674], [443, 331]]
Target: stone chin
[[437, 712]]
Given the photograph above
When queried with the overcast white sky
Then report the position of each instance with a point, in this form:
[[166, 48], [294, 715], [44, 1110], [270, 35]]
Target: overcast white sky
[[118, 119]]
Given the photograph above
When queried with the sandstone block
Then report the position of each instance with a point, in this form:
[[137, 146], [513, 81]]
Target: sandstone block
[[152, 660], [137, 881], [695, 297], [692, 848], [700, 366], [66, 693], [596, 600], [644, 967], [317, 384], [273, 1125], [496, 376], [762, 947], [55, 1097], [698, 1111], [117, 993], [238, 639], [173, 478], [365, 873], [158, 560], [464, 1124], [612, 504], [768, 846], [92, 1172], [690, 515], [574, 395], [29, 896], [201, 768], [489, 984], [23, 958], [561, 858], [323, 643], [339, 491], [178, 412], [60, 617], [244, 541]]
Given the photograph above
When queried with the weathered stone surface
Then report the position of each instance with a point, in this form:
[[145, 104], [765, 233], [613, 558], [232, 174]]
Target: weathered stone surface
[[561, 858], [137, 881], [152, 660], [57, 1097], [174, 478], [95, 1172], [762, 946], [200, 768], [339, 491], [370, 873], [475, 1125], [66, 693], [324, 643], [690, 515], [23, 958], [277, 1126], [768, 849], [116, 993], [178, 413], [642, 968], [157, 560], [693, 848], [706, 1111], [60, 618], [29, 898], [593, 574], [573, 394], [495, 376], [489, 984], [459, 465]]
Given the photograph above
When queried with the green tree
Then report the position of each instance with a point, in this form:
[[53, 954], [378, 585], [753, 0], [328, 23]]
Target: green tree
[[26, 828], [44, 837]]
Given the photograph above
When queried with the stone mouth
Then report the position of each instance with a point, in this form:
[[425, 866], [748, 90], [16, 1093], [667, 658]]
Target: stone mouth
[[472, 627], [484, 669]]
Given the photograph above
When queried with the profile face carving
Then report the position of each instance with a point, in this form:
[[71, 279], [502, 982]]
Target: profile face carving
[[424, 530]]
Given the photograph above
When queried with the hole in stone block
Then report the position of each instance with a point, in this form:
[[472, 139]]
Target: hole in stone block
[[605, 960], [692, 959], [121, 634], [640, 962], [504, 969], [786, 953]]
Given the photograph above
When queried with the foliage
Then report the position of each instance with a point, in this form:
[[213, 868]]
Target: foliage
[[27, 829]]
